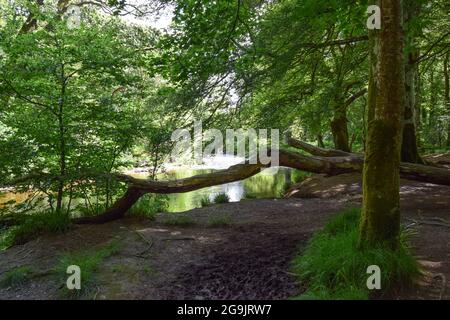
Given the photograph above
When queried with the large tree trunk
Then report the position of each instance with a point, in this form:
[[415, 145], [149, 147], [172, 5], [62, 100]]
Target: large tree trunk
[[447, 95], [410, 151], [380, 222]]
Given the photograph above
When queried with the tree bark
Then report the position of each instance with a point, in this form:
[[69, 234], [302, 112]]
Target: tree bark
[[116, 211], [339, 125], [380, 224], [316, 151], [447, 95], [409, 152]]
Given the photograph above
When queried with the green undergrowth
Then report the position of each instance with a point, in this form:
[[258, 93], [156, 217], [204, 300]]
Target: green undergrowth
[[33, 225], [89, 262], [149, 205], [205, 201], [334, 268], [221, 198], [16, 277]]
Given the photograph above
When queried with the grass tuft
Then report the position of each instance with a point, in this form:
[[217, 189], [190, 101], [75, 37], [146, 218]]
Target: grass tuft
[[89, 262], [34, 225], [335, 268], [221, 198], [205, 202], [16, 277]]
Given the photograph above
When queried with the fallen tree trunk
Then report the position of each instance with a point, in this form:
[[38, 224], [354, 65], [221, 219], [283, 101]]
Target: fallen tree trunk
[[316, 151], [325, 165]]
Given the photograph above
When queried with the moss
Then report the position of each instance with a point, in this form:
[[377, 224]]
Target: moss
[[381, 185]]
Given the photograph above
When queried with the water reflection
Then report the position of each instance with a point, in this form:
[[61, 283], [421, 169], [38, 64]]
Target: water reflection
[[267, 184]]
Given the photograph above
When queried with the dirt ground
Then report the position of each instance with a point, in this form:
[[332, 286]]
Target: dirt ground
[[248, 258]]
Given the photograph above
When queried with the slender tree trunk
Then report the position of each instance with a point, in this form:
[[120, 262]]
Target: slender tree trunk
[[380, 222], [410, 151], [418, 107], [62, 143], [320, 140], [339, 125], [447, 95]]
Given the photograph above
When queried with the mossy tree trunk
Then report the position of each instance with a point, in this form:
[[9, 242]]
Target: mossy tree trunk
[[410, 152], [380, 222], [447, 95]]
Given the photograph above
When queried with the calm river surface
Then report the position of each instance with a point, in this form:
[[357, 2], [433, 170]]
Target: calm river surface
[[270, 183]]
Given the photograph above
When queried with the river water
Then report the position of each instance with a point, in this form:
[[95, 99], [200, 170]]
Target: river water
[[270, 183]]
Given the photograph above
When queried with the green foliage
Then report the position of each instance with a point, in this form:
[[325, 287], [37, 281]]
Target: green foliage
[[221, 198], [333, 267], [16, 277], [205, 201], [34, 225], [344, 222], [74, 102], [149, 205], [6, 238], [89, 262]]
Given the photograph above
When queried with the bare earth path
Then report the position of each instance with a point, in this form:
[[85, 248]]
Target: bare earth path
[[245, 259]]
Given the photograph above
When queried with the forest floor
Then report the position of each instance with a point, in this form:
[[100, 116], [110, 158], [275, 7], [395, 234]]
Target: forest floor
[[230, 251]]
